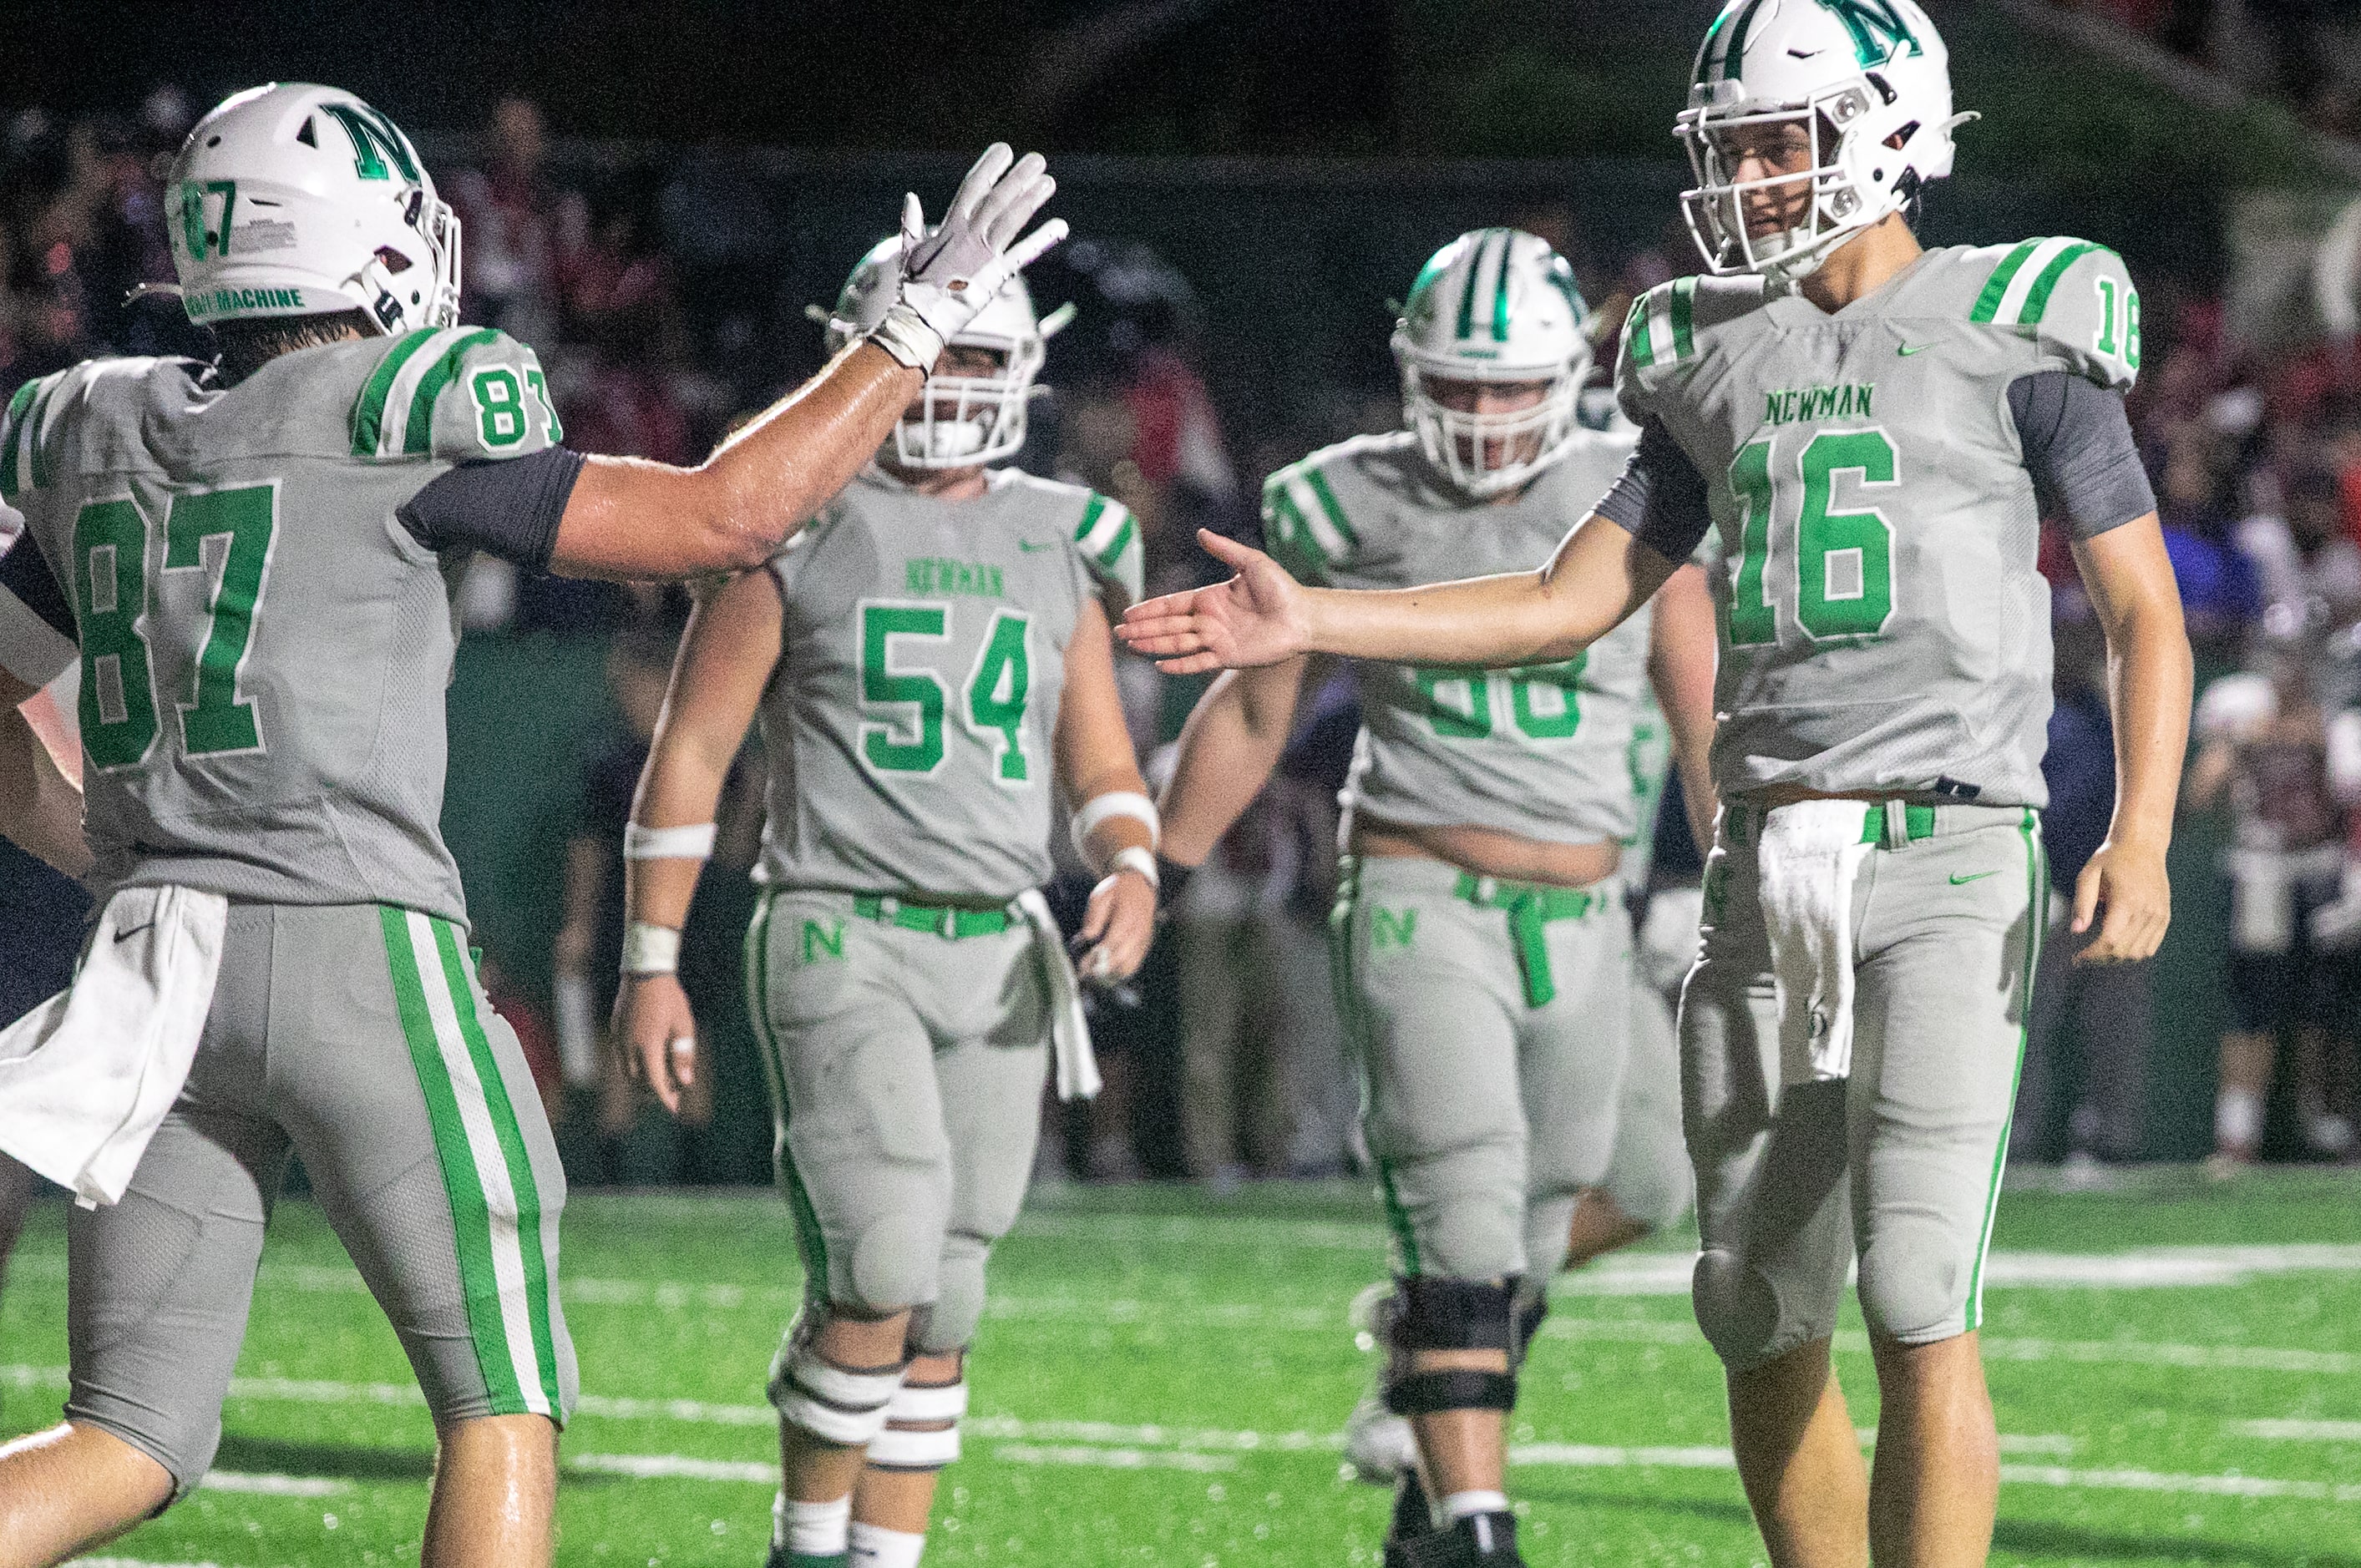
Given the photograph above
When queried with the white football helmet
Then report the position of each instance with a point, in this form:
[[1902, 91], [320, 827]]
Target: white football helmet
[[1869, 82], [296, 200], [960, 420], [1494, 306]]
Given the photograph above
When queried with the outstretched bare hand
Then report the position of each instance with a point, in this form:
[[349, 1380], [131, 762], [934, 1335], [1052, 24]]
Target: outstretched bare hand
[[1258, 617]]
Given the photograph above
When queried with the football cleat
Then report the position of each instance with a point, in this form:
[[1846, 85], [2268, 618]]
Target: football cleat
[[1868, 80], [295, 200], [1494, 306], [961, 420]]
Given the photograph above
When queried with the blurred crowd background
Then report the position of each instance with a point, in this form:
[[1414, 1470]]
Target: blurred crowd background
[[1249, 186]]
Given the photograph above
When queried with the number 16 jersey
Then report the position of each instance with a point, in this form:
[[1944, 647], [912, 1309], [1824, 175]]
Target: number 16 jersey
[[1884, 624]]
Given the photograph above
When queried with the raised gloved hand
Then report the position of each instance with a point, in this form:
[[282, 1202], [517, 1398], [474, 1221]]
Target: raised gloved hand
[[950, 275]]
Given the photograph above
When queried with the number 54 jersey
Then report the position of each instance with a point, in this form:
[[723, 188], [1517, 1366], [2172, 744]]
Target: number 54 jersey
[[908, 724], [1884, 627], [264, 639]]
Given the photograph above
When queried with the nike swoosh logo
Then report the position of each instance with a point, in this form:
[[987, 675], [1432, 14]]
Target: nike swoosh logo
[[123, 937], [1030, 548], [1805, 53], [1958, 880], [1910, 348]]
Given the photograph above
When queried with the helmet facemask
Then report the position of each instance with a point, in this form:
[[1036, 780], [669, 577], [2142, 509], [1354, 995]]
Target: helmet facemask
[[1488, 454], [960, 422], [1846, 187]]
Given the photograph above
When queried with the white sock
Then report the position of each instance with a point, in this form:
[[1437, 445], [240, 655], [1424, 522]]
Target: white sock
[[2237, 1119], [810, 1529], [1465, 1504], [874, 1546]]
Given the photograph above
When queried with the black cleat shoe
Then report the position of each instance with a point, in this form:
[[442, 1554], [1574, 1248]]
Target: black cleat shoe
[[1488, 1541]]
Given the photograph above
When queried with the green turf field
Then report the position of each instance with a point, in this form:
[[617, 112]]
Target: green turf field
[[2177, 1371]]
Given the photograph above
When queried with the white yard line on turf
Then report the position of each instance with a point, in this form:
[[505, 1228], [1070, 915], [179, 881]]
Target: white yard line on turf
[[2299, 1431], [132, 1563], [273, 1486]]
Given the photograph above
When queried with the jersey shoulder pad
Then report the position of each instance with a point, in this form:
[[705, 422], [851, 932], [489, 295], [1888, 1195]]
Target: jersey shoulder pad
[[30, 426], [456, 394], [1668, 324], [1108, 539], [1307, 524], [2072, 296]]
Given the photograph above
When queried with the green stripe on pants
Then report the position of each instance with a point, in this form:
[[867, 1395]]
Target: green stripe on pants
[[811, 1244], [1341, 921], [530, 1251], [2037, 920], [470, 1215]]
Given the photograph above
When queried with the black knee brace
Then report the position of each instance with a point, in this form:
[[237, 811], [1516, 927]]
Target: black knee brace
[[1452, 1314]]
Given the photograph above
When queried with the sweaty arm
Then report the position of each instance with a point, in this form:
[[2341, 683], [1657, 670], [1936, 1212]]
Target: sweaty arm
[[1682, 651], [1599, 575], [1094, 762], [727, 655], [1232, 742], [2086, 470], [41, 809]]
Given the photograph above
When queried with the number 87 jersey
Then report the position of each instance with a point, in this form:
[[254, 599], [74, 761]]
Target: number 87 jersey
[[1883, 625]]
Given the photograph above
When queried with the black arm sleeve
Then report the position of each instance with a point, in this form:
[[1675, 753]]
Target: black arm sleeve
[[508, 507], [24, 572], [1661, 499], [2079, 448]]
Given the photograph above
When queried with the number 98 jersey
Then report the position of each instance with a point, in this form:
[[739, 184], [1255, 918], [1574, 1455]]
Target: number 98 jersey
[[1883, 625], [264, 636], [1550, 753], [908, 724]]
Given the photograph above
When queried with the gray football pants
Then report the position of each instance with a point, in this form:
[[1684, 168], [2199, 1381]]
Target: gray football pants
[[358, 1037], [1901, 1162], [1489, 1102], [905, 1072]]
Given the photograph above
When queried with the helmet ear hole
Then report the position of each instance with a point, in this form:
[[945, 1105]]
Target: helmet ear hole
[[307, 136], [391, 259]]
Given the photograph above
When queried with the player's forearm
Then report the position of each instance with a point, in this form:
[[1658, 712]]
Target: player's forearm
[[632, 518], [41, 809], [1227, 749], [1682, 656], [2149, 679], [680, 788], [1479, 621]]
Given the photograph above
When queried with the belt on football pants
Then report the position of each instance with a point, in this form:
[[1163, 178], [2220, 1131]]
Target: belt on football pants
[[1530, 908], [950, 921], [1877, 824]]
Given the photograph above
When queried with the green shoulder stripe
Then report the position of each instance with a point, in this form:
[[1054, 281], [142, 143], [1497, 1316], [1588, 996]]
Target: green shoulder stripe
[[1662, 325], [368, 410], [1638, 343], [419, 438], [17, 428], [1997, 286], [1335, 513], [1106, 532], [2037, 301], [1683, 316]]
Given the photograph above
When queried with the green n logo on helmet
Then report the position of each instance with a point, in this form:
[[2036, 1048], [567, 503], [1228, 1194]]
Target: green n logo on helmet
[[374, 141], [202, 237], [1466, 327], [1738, 17], [1878, 31]]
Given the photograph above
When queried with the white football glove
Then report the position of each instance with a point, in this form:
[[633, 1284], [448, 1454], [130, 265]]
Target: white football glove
[[949, 276]]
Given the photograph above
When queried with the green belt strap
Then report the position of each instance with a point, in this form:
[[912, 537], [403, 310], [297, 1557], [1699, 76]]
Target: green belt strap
[[1530, 908], [1918, 823], [946, 920]]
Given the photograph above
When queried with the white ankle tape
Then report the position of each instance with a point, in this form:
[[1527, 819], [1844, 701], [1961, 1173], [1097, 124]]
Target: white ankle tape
[[1465, 1504], [901, 1448], [928, 1402], [811, 1530], [874, 1546], [833, 1403]]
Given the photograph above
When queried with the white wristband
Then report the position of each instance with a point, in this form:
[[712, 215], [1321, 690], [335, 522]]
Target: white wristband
[[1132, 858], [904, 334], [650, 949], [1116, 803], [691, 843]]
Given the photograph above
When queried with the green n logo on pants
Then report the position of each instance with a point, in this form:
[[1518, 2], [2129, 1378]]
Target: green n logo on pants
[[820, 939], [1396, 928]]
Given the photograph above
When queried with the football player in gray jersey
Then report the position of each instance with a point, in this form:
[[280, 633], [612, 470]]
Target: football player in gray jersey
[[1875, 432], [1481, 946], [932, 667], [249, 562]]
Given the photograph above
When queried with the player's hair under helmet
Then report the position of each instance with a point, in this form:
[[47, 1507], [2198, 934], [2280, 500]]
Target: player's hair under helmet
[[1869, 81], [960, 420], [293, 200], [1494, 306]]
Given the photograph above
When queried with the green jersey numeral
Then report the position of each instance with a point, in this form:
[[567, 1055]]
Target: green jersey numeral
[[2119, 323], [994, 704], [1544, 700], [499, 407], [1843, 561], [995, 692], [242, 519], [117, 616], [118, 702], [882, 685]]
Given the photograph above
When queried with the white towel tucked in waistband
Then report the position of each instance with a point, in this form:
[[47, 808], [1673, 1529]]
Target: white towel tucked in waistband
[[86, 1077], [1809, 854], [1069, 1031]]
